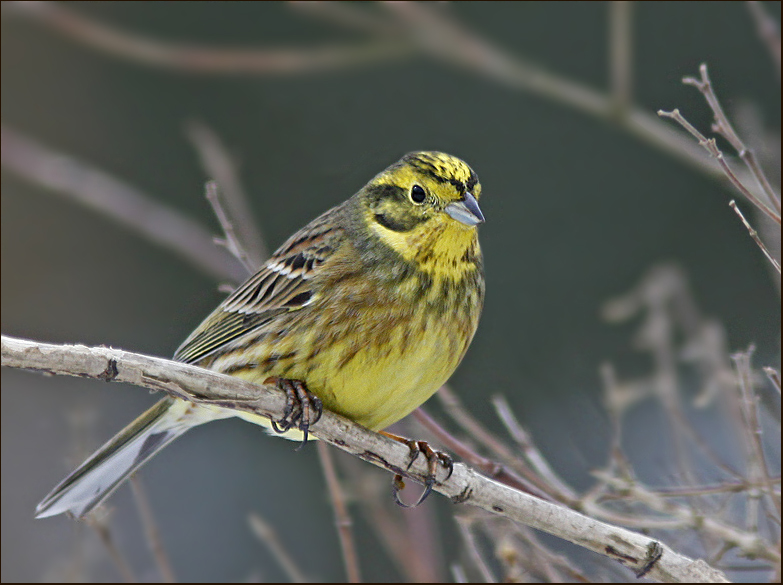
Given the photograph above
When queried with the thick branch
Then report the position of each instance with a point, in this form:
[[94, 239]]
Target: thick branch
[[638, 552]]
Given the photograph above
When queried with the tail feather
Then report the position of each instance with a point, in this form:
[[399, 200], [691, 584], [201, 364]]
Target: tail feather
[[97, 478]]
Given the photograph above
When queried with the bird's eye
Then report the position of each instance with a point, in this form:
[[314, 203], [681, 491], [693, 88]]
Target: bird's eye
[[418, 195]]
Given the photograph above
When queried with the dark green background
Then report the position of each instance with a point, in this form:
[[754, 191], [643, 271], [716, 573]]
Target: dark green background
[[577, 211]]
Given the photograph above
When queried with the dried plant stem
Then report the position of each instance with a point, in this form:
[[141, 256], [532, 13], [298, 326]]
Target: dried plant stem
[[497, 471], [220, 166], [267, 535], [151, 531], [758, 470], [749, 543], [118, 201], [621, 54], [768, 30], [754, 234], [116, 556], [529, 449], [723, 127], [474, 429], [195, 59], [774, 377], [711, 147], [230, 242], [341, 516], [474, 553]]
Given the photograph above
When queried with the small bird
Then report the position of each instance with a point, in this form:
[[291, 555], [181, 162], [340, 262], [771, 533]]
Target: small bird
[[366, 311]]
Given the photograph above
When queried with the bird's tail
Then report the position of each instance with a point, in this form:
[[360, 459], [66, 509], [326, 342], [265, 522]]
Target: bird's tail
[[95, 479]]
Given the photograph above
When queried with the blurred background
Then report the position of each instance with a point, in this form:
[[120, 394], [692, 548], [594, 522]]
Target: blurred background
[[579, 209]]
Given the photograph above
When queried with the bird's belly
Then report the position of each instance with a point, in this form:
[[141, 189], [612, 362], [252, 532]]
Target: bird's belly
[[373, 379], [379, 387]]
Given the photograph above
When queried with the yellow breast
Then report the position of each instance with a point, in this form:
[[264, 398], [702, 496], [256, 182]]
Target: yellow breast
[[376, 363]]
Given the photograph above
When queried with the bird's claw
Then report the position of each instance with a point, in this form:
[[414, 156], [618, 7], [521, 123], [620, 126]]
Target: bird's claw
[[433, 458], [302, 408]]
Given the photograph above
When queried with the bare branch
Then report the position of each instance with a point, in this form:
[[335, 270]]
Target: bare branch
[[755, 236], [497, 471], [751, 544], [621, 54], [206, 60], [529, 450], [710, 146], [774, 377], [474, 553], [464, 486], [341, 517], [348, 15], [219, 165], [104, 534], [119, 201], [768, 30], [267, 535], [756, 462], [230, 242], [151, 532], [723, 127]]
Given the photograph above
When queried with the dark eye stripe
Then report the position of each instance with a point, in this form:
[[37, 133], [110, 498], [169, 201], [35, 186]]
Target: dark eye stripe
[[399, 224]]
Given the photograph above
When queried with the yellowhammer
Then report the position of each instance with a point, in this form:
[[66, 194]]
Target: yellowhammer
[[367, 310]]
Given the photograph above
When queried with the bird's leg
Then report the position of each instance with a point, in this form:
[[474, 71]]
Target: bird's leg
[[302, 407], [432, 456]]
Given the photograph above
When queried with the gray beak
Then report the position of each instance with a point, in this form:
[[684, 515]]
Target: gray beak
[[466, 211]]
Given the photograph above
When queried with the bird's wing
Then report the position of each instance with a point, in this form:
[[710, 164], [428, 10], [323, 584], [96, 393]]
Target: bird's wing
[[284, 284]]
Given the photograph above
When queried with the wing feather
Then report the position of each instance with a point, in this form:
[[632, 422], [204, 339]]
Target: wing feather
[[285, 283]]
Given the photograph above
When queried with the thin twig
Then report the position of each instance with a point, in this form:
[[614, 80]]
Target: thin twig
[[497, 471], [342, 518], [748, 542], [458, 573], [119, 201], [621, 55], [529, 450], [370, 491], [723, 126], [758, 470], [476, 431], [754, 234], [465, 529], [729, 486], [556, 567], [209, 60], [710, 146], [151, 530], [348, 14], [116, 556], [266, 534], [220, 166], [230, 242], [768, 30], [774, 377]]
